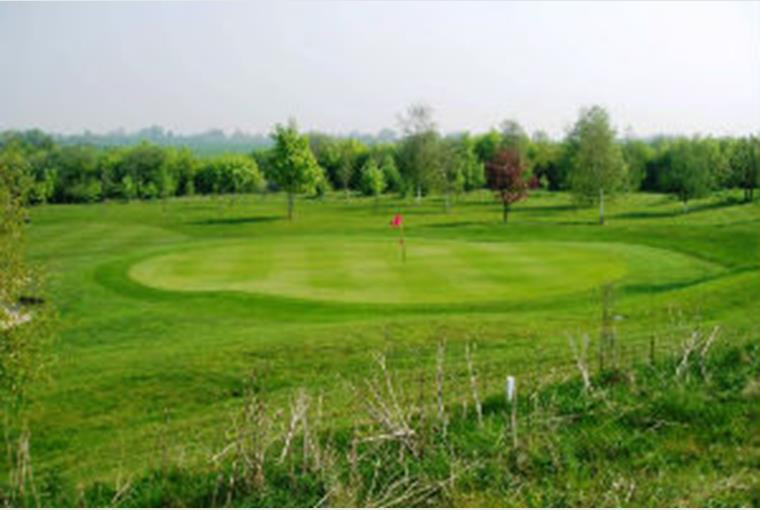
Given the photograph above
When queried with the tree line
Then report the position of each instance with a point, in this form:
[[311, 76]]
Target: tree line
[[592, 161]]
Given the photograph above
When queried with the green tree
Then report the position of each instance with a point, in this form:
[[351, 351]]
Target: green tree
[[598, 167], [544, 156], [689, 174], [350, 155], [77, 171], [487, 145], [514, 138], [418, 151], [638, 156], [473, 170], [745, 165], [24, 329], [143, 163], [293, 166], [373, 180], [392, 175], [451, 171]]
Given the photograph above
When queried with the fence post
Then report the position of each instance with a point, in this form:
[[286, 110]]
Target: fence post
[[511, 394]]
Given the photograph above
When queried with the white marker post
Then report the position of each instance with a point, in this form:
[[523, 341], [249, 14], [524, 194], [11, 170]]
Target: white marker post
[[510, 391]]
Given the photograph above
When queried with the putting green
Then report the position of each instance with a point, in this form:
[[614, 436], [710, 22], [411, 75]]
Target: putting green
[[435, 272]]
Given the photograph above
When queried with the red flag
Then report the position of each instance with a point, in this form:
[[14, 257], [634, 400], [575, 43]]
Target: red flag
[[397, 221]]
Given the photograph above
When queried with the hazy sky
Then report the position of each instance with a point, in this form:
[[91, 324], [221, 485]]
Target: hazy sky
[[338, 66]]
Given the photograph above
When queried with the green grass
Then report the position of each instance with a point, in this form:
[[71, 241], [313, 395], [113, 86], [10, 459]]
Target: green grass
[[666, 433], [164, 313]]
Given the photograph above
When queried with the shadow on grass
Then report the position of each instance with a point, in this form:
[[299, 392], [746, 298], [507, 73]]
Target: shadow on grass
[[457, 224], [240, 220], [548, 209], [677, 212]]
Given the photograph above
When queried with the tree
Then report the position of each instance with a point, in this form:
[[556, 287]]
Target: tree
[[473, 170], [597, 161], [505, 176], [24, 329], [392, 176], [689, 174], [293, 166], [745, 165], [638, 156], [418, 150], [487, 145], [350, 154], [76, 168], [544, 156], [513, 137], [372, 179], [451, 171]]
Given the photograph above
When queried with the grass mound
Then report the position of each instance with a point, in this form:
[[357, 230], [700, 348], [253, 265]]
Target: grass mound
[[435, 271], [682, 432]]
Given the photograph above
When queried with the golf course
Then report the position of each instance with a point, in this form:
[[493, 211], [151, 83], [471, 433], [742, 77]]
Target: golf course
[[168, 309]]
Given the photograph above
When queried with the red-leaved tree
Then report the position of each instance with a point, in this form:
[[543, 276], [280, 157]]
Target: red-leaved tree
[[505, 176]]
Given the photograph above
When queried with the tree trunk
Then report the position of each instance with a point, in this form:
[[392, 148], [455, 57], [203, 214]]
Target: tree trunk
[[419, 192], [685, 205], [446, 204], [505, 212], [290, 205], [601, 206]]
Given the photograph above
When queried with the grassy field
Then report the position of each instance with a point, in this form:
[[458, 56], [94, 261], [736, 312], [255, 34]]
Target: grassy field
[[166, 309]]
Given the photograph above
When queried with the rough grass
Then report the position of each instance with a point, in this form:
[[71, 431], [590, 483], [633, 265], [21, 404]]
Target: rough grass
[[682, 431], [137, 363]]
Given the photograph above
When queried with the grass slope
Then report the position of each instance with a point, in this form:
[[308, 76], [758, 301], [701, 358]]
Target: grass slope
[[166, 311]]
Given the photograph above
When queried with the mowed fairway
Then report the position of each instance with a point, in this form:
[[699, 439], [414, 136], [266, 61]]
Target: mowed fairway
[[167, 310]]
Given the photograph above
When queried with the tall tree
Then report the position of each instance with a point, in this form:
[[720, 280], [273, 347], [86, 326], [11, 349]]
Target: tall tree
[[505, 176], [372, 180], [419, 149], [487, 145], [391, 173], [293, 166], [459, 168], [350, 155], [473, 170], [598, 167], [745, 165], [544, 156], [513, 137], [689, 174], [638, 156]]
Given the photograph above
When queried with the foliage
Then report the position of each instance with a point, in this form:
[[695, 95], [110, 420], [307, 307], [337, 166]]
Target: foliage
[[505, 176], [24, 325], [544, 156], [231, 173], [688, 176], [598, 167], [391, 174], [745, 165], [486, 145], [372, 179], [82, 173], [419, 151], [514, 138], [293, 166]]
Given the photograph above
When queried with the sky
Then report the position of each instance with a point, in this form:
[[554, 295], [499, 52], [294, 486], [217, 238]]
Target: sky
[[673, 68]]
